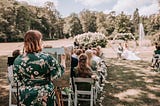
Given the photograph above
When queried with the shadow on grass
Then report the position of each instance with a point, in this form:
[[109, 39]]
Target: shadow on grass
[[132, 83]]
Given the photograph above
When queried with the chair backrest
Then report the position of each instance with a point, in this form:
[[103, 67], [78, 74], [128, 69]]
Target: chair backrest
[[83, 90], [58, 53], [55, 52], [86, 80], [13, 87], [84, 84], [10, 69]]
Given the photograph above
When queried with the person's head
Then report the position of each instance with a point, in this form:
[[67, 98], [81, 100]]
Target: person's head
[[32, 41], [78, 52], [76, 40], [98, 48], [94, 50], [126, 45], [89, 53], [120, 44], [82, 60], [16, 53], [156, 45]]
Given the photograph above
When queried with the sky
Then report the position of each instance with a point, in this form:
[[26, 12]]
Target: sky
[[66, 7]]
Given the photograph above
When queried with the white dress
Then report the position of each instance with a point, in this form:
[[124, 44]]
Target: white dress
[[129, 55]]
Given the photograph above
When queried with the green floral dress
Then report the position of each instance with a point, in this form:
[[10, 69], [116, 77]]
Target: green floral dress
[[35, 72]]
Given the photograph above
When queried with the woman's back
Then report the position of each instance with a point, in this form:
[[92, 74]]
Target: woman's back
[[35, 68], [35, 71]]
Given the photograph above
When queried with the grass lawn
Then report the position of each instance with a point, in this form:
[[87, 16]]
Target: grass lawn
[[4, 98], [130, 83]]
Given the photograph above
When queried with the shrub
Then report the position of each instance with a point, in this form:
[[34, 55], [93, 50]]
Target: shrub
[[91, 39], [155, 38]]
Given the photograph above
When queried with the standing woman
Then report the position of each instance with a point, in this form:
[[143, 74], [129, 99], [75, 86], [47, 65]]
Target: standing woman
[[35, 71]]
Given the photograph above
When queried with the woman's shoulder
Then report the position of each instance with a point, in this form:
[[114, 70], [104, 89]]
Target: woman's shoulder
[[45, 55], [18, 59], [39, 55], [157, 51]]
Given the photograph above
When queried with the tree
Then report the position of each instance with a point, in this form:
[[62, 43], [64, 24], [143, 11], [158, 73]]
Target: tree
[[136, 20], [75, 26], [50, 16], [88, 20], [23, 19], [7, 22], [110, 22], [105, 22], [58, 28], [123, 24]]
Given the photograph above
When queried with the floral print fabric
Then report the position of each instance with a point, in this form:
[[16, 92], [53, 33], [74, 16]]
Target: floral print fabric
[[34, 72]]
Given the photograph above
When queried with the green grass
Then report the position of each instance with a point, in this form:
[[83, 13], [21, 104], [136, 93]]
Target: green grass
[[125, 76], [3, 67], [4, 98]]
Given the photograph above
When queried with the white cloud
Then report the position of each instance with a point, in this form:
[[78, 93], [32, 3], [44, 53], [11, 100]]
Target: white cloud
[[151, 9], [40, 2], [145, 7], [92, 3], [107, 11]]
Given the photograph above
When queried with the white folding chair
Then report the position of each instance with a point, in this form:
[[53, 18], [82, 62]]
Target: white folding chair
[[78, 91], [57, 53], [66, 97], [13, 87]]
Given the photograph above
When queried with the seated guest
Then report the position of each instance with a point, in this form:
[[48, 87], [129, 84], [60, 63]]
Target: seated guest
[[95, 57], [99, 52], [76, 53], [156, 55], [83, 70], [91, 62], [74, 63], [35, 71], [16, 53]]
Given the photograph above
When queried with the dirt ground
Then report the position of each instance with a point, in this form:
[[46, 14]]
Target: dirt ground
[[129, 83]]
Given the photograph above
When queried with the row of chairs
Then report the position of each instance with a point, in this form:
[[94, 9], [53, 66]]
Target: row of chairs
[[92, 93], [70, 97], [73, 96]]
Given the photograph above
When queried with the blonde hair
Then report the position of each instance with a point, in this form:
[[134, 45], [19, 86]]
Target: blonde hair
[[89, 54], [32, 41]]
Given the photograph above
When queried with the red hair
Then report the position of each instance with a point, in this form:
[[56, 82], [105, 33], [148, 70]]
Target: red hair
[[32, 41]]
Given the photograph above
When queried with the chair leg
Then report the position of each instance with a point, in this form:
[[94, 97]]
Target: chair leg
[[75, 99], [91, 102], [10, 96], [69, 99], [95, 95]]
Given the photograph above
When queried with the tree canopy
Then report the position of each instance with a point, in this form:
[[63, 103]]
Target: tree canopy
[[18, 17]]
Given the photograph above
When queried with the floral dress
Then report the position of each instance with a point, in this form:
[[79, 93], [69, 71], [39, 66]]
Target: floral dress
[[34, 72]]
